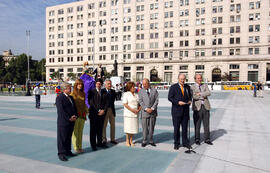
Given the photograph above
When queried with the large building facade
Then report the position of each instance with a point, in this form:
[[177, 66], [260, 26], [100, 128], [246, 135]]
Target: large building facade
[[160, 39]]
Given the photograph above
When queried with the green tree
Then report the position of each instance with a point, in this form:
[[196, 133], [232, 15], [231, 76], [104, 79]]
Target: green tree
[[56, 75], [2, 69], [17, 70], [107, 75], [72, 76]]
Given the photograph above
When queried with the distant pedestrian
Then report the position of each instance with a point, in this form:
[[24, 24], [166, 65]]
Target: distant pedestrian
[[1, 88], [9, 88], [13, 88], [58, 92], [254, 90], [37, 92], [260, 89]]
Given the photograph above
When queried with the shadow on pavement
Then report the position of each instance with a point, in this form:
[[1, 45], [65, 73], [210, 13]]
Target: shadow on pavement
[[215, 134]]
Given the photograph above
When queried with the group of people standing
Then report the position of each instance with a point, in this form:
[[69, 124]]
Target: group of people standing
[[99, 104], [72, 112]]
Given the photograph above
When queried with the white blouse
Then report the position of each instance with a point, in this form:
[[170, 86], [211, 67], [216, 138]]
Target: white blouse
[[132, 101]]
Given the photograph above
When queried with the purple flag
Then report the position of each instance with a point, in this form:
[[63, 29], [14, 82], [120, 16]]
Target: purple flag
[[89, 84]]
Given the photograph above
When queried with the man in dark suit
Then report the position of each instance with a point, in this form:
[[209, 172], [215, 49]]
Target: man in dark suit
[[110, 113], [67, 115], [97, 112], [180, 97]]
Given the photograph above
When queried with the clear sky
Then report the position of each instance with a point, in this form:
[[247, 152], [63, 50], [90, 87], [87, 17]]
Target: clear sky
[[17, 16]]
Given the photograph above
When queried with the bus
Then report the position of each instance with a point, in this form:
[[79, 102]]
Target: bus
[[237, 85]]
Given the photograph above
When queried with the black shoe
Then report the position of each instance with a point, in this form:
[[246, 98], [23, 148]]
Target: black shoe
[[71, 154], [143, 144], [99, 145], [187, 146], [94, 148], [153, 144], [62, 158], [176, 147], [102, 145], [197, 142], [114, 142], [209, 142]]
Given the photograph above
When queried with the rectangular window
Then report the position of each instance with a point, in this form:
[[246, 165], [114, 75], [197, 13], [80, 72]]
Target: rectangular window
[[183, 67], [234, 66], [234, 75], [253, 76], [199, 67]]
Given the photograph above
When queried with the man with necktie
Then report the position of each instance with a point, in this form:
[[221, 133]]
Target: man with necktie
[[110, 113], [148, 99], [201, 109], [180, 97], [66, 117], [97, 112]]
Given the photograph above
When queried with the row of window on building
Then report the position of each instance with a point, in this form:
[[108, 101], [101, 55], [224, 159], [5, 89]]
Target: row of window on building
[[166, 54], [154, 6]]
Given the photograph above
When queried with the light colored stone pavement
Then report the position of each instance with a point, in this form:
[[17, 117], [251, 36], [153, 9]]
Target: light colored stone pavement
[[245, 144], [239, 129]]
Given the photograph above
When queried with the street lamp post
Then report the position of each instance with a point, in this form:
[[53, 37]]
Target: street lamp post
[[28, 66]]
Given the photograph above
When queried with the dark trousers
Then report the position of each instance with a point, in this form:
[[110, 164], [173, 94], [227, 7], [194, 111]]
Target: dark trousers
[[37, 101], [198, 117], [96, 127], [64, 134], [183, 121]]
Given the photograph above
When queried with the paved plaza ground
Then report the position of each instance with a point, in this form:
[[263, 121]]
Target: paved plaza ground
[[239, 125]]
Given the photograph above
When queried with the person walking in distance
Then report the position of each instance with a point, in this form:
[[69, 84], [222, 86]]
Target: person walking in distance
[[260, 89], [37, 92], [201, 109], [148, 99]]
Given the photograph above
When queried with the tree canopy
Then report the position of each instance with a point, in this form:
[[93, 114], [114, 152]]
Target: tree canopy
[[17, 70]]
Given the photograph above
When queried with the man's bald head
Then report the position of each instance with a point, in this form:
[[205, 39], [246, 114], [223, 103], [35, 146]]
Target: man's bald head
[[146, 83], [181, 78]]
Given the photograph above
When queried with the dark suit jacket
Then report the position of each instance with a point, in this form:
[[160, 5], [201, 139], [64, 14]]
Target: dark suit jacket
[[96, 101], [175, 95], [110, 99], [65, 110]]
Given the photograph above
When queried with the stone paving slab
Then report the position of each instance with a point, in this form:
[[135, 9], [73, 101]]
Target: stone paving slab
[[239, 130]]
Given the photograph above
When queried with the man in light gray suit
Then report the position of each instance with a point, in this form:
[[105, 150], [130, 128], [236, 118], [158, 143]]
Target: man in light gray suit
[[201, 109], [148, 99]]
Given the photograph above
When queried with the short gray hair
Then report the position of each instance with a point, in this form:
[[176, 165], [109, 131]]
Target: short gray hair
[[180, 74], [147, 80], [65, 85], [108, 80], [197, 75]]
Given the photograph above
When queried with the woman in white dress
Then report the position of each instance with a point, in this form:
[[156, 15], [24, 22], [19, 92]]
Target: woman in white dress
[[131, 110]]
